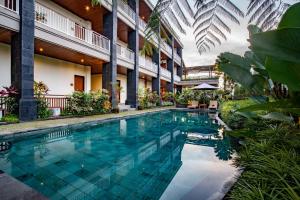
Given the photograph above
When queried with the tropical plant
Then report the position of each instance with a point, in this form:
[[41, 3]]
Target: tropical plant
[[270, 160], [266, 13], [274, 58], [40, 92], [148, 99], [10, 95]]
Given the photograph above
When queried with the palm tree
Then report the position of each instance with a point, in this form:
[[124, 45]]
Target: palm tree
[[210, 21], [209, 24], [267, 13]]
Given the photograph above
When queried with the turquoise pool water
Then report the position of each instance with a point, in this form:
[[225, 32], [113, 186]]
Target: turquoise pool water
[[168, 155]]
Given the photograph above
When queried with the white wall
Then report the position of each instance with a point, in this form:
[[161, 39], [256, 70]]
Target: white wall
[[58, 75], [143, 86], [97, 85], [124, 91], [5, 65]]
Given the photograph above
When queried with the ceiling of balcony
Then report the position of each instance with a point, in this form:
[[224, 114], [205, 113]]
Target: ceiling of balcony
[[5, 35], [58, 52], [86, 11], [145, 11]]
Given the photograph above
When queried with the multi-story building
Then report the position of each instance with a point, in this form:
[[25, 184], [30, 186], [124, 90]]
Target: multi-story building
[[74, 46]]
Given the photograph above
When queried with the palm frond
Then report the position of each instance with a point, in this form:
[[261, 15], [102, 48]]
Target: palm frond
[[267, 13], [175, 21], [210, 23], [181, 14]]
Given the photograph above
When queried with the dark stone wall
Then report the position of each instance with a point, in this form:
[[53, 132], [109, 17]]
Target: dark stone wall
[[109, 79], [133, 75], [170, 67], [22, 63]]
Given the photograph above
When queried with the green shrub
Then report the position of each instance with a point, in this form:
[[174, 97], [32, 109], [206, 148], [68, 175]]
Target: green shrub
[[148, 99], [10, 118], [271, 166], [81, 103], [40, 92]]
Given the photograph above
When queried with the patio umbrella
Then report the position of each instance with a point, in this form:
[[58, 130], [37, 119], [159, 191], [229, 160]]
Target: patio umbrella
[[205, 86]]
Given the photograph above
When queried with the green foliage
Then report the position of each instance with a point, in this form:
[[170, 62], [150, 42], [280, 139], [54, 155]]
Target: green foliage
[[148, 99], [281, 47], [40, 91], [10, 95], [270, 160], [81, 103], [167, 103], [10, 118]]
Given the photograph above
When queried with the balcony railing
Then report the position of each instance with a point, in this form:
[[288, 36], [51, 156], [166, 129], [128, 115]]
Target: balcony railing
[[165, 73], [166, 47], [142, 24], [147, 64], [12, 5], [177, 78], [177, 57], [63, 24], [125, 7], [125, 53]]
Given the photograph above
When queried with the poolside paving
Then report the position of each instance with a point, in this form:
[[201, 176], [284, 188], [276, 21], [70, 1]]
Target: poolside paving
[[51, 123]]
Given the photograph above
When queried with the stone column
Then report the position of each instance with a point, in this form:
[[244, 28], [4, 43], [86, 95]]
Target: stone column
[[133, 44], [156, 59], [109, 74], [22, 63], [180, 69], [170, 67]]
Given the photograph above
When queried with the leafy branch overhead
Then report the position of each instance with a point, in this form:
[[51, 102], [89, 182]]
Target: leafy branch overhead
[[210, 27], [266, 13]]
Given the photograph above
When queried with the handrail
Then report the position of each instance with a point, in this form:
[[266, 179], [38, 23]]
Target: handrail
[[177, 57], [165, 73], [148, 64], [177, 78], [166, 47], [125, 7], [126, 53], [12, 5], [63, 24], [142, 24]]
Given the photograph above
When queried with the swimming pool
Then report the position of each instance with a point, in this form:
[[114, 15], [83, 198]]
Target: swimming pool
[[166, 155]]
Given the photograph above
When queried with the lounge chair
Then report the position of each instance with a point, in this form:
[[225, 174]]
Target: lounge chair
[[213, 105], [193, 105]]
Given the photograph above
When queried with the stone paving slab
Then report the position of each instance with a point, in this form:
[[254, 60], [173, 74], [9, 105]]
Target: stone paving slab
[[11, 129], [12, 189]]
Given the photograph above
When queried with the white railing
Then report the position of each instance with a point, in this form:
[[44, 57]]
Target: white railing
[[12, 5], [63, 24], [177, 57], [166, 47], [177, 78], [165, 73], [125, 53], [148, 64], [125, 7], [142, 24]]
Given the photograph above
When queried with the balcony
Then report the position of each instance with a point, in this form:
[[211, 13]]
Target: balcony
[[9, 17], [125, 56], [166, 48], [126, 13], [142, 25], [12, 5], [147, 66], [63, 24], [177, 78], [165, 74], [177, 58]]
